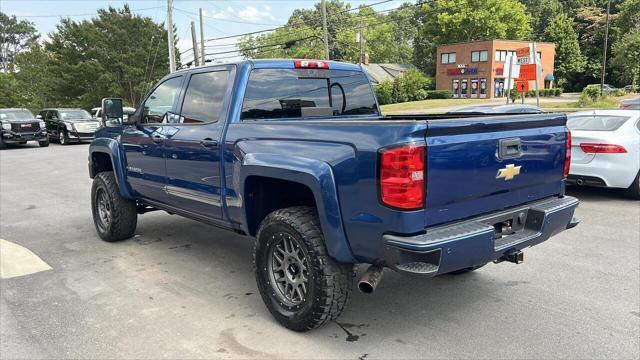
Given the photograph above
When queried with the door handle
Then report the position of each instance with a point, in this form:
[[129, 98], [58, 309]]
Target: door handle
[[157, 139], [209, 143]]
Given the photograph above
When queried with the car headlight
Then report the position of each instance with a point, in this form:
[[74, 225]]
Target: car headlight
[[6, 126], [69, 126], [42, 125]]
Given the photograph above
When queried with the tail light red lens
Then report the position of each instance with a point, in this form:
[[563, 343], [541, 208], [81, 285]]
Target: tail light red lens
[[602, 148], [402, 173], [624, 106], [567, 154]]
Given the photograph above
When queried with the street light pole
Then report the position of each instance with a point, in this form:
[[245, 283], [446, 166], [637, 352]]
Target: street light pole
[[604, 56], [201, 38]]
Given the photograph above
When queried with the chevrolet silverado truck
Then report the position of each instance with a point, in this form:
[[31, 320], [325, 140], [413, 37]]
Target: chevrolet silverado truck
[[297, 155]]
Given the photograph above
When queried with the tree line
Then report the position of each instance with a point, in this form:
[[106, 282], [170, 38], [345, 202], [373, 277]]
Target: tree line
[[118, 53]]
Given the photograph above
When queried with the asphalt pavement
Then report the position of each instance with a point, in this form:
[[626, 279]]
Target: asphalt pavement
[[181, 289]]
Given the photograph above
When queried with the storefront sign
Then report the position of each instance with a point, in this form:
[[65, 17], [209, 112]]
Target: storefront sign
[[462, 71]]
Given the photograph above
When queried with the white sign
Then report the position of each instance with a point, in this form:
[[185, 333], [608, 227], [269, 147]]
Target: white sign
[[510, 71]]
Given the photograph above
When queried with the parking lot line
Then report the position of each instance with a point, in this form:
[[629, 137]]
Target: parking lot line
[[16, 260]]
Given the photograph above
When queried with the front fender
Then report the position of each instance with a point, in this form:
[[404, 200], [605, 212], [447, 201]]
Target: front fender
[[111, 147], [317, 176]]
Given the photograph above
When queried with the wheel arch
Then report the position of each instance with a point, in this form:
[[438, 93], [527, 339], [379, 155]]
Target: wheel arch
[[105, 155], [310, 182]]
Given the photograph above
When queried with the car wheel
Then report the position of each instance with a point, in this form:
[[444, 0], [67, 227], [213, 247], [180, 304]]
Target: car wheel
[[300, 284], [114, 217], [633, 191], [63, 138], [44, 143], [3, 145], [466, 270]]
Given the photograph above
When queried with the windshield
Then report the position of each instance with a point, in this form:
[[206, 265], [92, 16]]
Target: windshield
[[74, 115], [596, 122], [295, 93], [20, 114]]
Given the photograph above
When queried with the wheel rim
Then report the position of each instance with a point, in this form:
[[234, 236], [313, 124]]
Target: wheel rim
[[288, 269], [103, 206], [62, 140]]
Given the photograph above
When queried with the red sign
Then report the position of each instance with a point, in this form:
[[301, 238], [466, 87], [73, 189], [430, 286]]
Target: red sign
[[527, 72], [522, 52], [522, 86]]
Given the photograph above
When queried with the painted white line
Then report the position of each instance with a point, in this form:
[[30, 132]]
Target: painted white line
[[16, 260]]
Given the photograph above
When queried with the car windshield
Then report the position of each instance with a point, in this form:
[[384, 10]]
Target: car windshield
[[21, 114], [74, 115], [596, 122], [299, 93]]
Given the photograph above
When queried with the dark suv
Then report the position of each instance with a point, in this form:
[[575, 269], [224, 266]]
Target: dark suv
[[67, 125], [20, 126]]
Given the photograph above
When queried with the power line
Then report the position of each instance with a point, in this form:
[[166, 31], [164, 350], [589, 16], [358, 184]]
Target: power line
[[73, 15]]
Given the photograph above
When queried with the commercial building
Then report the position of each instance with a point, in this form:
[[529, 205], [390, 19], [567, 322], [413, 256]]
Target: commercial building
[[476, 69]]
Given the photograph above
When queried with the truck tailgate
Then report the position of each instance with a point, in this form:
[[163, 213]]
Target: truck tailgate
[[484, 164]]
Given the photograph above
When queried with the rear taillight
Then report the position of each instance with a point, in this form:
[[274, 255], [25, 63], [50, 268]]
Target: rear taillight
[[402, 177], [624, 106], [567, 154], [602, 148], [310, 64]]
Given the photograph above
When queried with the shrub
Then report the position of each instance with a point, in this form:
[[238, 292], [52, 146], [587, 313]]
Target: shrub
[[412, 82], [384, 92], [439, 94], [619, 92], [421, 94], [591, 92], [398, 94], [558, 91]]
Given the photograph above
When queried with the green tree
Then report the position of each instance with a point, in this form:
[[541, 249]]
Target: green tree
[[542, 11], [569, 60], [15, 37], [626, 55], [451, 21]]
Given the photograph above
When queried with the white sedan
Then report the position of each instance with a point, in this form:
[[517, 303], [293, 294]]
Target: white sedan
[[605, 149]]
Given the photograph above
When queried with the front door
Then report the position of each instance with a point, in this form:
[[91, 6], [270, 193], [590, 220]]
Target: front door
[[143, 142], [192, 145]]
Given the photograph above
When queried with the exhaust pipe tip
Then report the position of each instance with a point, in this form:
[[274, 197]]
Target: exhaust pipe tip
[[370, 280], [579, 181]]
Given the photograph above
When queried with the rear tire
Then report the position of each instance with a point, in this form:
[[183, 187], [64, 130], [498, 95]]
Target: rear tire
[[633, 192], [300, 284], [467, 270], [114, 217]]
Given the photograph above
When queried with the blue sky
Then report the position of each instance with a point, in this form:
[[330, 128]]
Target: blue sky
[[222, 17]]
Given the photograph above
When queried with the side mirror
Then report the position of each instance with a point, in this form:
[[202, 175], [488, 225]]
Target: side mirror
[[39, 117], [111, 111]]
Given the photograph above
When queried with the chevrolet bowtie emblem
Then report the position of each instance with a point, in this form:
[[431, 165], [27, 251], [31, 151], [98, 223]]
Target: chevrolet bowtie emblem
[[509, 172]]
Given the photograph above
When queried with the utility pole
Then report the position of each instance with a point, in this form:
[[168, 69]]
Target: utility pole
[[201, 38], [195, 43], [534, 55], [324, 29], [172, 50], [604, 56], [361, 38]]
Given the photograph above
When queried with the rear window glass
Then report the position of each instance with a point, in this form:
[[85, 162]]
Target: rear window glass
[[294, 93], [596, 122]]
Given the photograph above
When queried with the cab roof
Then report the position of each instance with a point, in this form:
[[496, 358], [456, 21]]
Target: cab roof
[[278, 64]]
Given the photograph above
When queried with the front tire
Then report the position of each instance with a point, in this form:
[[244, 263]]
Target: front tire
[[300, 284], [114, 217], [3, 145], [63, 138], [43, 143], [633, 191]]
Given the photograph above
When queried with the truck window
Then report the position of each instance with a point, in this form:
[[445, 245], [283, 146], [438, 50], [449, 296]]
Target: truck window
[[204, 97], [161, 101], [296, 93]]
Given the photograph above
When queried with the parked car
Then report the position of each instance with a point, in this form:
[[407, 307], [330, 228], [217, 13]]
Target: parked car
[[606, 149], [631, 88], [69, 125], [630, 104], [498, 109], [298, 155], [607, 89], [96, 112], [19, 126]]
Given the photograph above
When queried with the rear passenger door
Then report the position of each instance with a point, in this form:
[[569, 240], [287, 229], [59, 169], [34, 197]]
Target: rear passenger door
[[192, 144]]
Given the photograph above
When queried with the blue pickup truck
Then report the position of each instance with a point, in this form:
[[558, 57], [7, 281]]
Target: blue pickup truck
[[296, 154]]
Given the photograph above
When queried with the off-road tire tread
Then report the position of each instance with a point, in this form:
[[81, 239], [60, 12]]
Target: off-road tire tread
[[337, 278], [124, 212]]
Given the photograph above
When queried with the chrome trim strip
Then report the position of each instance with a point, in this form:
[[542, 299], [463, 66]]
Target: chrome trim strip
[[199, 196]]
